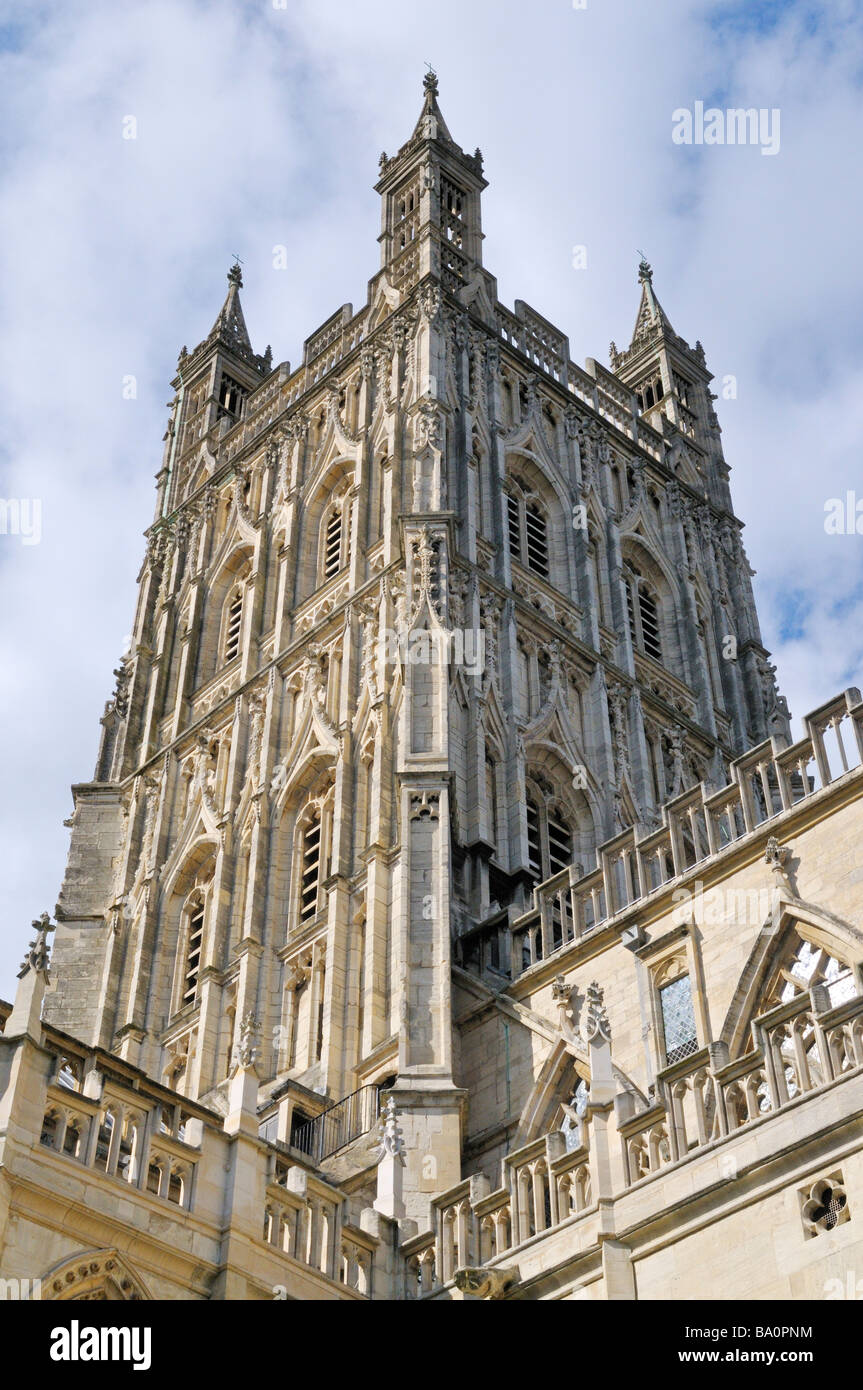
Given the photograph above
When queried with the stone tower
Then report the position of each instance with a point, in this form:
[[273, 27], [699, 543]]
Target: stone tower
[[421, 623]]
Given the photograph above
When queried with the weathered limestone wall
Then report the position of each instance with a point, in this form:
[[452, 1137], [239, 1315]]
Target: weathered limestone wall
[[83, 937]]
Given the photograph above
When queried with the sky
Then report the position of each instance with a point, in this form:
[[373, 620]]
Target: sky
[[142, 146]]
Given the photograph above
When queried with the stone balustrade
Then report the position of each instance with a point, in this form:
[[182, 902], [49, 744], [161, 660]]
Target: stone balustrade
[[545, 1184], [91, 1118], [766, 782], [800, 1046], [105, 1120], [302, 1219]]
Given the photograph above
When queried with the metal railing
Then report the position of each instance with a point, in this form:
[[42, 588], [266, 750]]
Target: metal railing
[[339, 1126]]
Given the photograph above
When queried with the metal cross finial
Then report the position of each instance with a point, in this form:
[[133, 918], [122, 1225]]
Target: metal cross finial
[[430, 81], [645, 271], [235, 274]]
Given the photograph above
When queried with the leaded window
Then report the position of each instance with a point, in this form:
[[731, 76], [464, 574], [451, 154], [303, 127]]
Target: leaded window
[[678, 1020], [805, 965]]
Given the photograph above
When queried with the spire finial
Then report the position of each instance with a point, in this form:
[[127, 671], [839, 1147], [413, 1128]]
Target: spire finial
[[37, 956], [645, 271], [389, 1140], [235, 274], [430, 82]]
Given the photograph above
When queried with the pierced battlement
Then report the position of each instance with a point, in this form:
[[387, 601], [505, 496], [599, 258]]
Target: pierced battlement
[[699, 825]]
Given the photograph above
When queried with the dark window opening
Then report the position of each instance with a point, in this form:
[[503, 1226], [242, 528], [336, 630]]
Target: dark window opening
[[310, 871], [234, 628], [231, 397], [193, 955], [534, 842], [333, 546]]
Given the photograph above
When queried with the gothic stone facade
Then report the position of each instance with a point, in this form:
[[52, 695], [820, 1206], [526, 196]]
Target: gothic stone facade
[[447, 766]]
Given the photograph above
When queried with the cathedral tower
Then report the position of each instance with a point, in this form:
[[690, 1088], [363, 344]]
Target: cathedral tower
[[421, 624]]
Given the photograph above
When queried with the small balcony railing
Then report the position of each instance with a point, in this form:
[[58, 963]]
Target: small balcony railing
[[339, 1126]]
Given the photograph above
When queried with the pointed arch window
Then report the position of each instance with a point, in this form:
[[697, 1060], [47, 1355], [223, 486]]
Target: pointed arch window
[[650, 392], [189, 952], [802, 965], [310, 869], [406, 204], [69, 1074], [311, 849], [528, 533], [233, 626], [334, 534], [642, 610], [799, 965], [678, 1020], [536, 533], [549, 839], [72, 1139], [333, 544], [559, 841], [231, 398], [534, 841], [514, 523], [104, 1141], [193, 946]]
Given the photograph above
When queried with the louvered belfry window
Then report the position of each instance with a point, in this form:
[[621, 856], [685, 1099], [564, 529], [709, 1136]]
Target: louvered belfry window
[[642, 611], [650, 624], [537, 541], [194, 944], [233, 631], [528, 535], [333, 545], [514, 519], [559, 843], [549, 840], [311, 868], [534, 841]]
